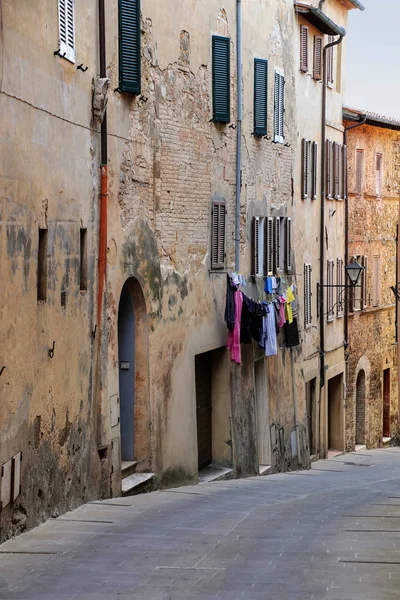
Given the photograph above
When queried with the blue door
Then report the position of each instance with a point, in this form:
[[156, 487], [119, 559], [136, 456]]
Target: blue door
[[126, 358]]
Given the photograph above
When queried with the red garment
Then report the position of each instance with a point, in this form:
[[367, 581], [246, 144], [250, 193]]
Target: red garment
[[234, 336]]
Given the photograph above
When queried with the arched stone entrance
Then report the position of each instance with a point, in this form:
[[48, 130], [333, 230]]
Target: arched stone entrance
[[133, 375], [360, 408]]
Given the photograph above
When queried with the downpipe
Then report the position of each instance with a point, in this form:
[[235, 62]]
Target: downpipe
[[239, 131]]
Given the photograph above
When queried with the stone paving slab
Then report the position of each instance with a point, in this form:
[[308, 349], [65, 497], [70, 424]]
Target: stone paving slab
[[279, 537]]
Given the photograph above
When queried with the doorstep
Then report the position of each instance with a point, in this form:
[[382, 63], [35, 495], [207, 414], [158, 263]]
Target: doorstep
[[214, 473]]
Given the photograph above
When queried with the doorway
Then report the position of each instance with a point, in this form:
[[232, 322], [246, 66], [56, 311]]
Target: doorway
[[311, 387], [386, 403], [360, 408], [203, 409], [126, 364], [335, 414], [263, 431]]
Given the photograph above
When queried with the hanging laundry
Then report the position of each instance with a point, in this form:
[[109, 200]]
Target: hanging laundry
[[245, 322], [230, 304], [282, 319], [233, 344], [288, 307], [256, 324], [292, 334], [268, 341], [268, 285]]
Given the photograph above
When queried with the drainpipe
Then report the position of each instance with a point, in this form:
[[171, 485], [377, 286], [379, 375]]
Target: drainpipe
[[104, 172], [320, 4], [239, 132], [322, 225], [346, 236]]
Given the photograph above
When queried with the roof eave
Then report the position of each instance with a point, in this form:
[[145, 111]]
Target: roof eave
[[318, 19], [357, 4], [372, 120]]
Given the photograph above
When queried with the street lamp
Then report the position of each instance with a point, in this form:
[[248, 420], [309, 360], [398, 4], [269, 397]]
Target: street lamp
[[354, 271]]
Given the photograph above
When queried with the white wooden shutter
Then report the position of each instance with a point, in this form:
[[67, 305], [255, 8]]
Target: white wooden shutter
[[279, 108], [255, 246], [277, 248], [288, 252], [314, 171], [270, 246], [66, 29], [307, 295], [305, 168]]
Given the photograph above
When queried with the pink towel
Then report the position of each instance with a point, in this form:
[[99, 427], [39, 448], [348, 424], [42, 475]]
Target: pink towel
[[234, 336]]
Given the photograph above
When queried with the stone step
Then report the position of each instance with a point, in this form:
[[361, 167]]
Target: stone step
[[215, 473], [137, 483], [264, 470], [128, 467]]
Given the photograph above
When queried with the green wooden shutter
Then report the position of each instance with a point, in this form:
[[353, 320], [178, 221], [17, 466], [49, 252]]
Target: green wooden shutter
[[221, 64], [129, 46], [260, 96]]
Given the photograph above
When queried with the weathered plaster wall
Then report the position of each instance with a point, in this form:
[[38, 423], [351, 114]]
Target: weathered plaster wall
[[48, 179], [372, 232]]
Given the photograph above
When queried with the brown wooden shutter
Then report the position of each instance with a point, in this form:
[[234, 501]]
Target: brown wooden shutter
[[218, 234], [379, 177], [254, 245], [303, 49], [318, 41], [376, 281], [305, 168], [336, 168], [314, 171], [351, 290], [329, 174], [359, 171], [364, 292], [344, 172], [329, 58]]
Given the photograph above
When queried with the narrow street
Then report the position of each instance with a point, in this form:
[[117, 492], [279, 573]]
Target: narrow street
[[331, 533]]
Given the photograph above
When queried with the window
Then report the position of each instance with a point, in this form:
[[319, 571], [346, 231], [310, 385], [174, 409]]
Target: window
[[303, 49], [279, 108], [339, 290], [260, 96], [83, 283], [218, 234], [376, 281], [129, 46], [379, 174], [221, 50], [317, 73], [66, 29], [329, 290], [307, 295], [42, 266], [271, 245], [329, 59], [359, 171]]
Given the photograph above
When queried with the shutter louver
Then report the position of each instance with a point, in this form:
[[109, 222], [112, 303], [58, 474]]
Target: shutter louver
[[288, 245], [303, 49], [255, 246], [270, 246], [221, 47], [218, 220], [307, 295], [318, 41], [129, 46], [260, 96], [66, 29], [305, 169], [329, 175], [315, 170]]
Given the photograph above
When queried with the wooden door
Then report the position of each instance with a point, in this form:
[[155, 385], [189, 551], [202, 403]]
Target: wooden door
[[386, 403], [203, 409]]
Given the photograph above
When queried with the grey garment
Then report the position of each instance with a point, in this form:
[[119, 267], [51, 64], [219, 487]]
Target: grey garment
[[271, 345]]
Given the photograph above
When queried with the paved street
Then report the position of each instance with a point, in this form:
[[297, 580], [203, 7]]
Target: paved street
[[332, 533]]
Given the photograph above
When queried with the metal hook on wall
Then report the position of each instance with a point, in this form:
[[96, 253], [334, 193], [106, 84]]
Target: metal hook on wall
[[1, 370], [80, 67], [58, 53], [51, 350]]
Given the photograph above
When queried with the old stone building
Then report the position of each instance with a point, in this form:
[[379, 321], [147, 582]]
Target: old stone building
[[119, 227], [319, 216], [373, 177]]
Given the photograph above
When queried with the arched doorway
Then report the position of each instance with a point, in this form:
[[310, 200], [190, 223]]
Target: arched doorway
[[133, 371], [126, 364], [360, 408]]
